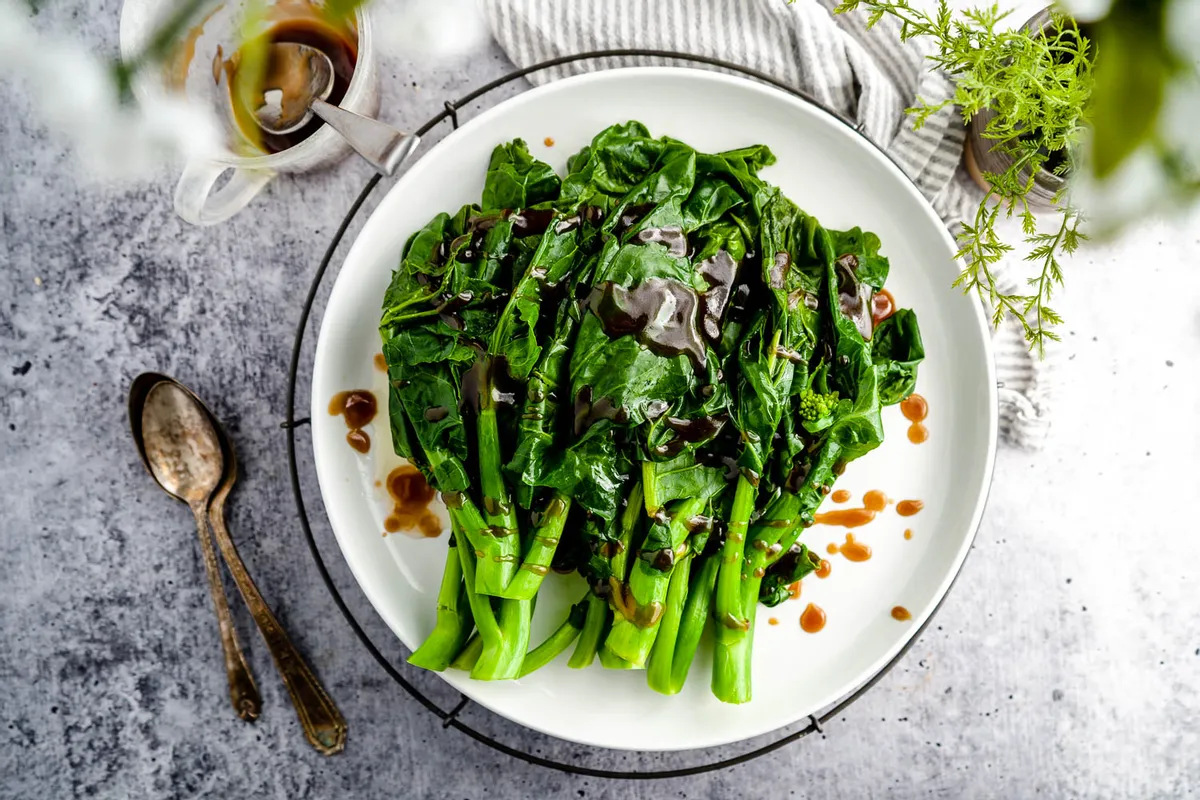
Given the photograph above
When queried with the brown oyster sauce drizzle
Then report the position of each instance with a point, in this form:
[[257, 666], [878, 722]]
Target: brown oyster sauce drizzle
[[852, 549], [358, 408], [813, 619], [874, 501], [642, 616], [915, 409], [411, 496]]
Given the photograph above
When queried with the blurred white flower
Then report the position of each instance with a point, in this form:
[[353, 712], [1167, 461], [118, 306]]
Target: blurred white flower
[[437, 29], [1181, 26], [1180, 114], [1139, 187], [1086, 10], [76, 94]]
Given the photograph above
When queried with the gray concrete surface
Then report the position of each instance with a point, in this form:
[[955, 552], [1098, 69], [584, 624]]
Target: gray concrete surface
[[1066, 662]]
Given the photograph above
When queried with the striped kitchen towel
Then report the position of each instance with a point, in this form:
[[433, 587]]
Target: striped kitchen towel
[[869, 76]]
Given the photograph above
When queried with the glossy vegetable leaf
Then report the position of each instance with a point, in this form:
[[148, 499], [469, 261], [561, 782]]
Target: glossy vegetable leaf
[[870, 267], [896, 350], [793, 566], [515, 179]]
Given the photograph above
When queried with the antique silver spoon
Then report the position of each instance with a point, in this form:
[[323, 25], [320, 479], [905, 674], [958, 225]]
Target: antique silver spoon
[[323, 724], [297, 81], [181, 451]]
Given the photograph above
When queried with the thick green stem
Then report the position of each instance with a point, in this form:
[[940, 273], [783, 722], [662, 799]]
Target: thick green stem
[[662, 655], [730, 683], [504, 661], [774, 532], [594, 626], [453, 618], [497, 508], [556, 642], [729, 578], [641, 606], [544, 543], [696, 614], [505, 637], [610, 660], [470, 527], [469, 655], [732, 661], [781, 524], [630, 517]]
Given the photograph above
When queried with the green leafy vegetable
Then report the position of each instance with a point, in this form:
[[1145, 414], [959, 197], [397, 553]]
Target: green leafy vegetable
[[648, 372]]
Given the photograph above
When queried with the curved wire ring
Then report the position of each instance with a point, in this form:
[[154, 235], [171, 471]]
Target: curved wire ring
[[451, 718]]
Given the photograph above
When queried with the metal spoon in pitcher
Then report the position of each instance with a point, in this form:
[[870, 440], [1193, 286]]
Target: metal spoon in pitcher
[[296, 83]]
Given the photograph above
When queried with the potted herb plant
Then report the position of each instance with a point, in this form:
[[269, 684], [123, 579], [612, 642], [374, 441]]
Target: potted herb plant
[[1024, 94]]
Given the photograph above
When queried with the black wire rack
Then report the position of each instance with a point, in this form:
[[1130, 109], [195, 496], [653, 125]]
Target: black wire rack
[[452, 717]]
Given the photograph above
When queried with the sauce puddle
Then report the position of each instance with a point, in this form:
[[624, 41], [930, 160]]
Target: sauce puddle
[[840, 496], [906, 508], [358, 408], [410, 504], [915, 409]]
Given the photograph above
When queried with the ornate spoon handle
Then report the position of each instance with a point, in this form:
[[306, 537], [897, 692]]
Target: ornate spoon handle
[[323, 724], [242, 691]]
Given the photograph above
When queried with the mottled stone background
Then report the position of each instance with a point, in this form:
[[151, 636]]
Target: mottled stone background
[[1064, 664]]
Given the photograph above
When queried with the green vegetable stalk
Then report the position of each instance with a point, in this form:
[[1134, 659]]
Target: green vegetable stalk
[[641, 603], [454, 621]]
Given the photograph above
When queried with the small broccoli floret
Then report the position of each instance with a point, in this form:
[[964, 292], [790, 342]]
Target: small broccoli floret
[[814, 406]]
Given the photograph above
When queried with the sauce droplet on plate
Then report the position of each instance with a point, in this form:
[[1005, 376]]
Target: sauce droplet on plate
[[825, 568], [875, 500], [854, 550], [358, 408], [411, 496], [359, 440], [845, 517], [915, 409], [813, 619], [773, 621], [908, 533], [548, 141], [380, 362], [906, 508], [901, 614], [840, 496]]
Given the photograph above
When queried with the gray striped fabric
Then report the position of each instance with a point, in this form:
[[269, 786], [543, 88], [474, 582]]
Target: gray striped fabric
[[865, 75]]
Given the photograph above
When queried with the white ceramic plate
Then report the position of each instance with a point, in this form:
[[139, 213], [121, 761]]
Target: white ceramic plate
[[834, 174]]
